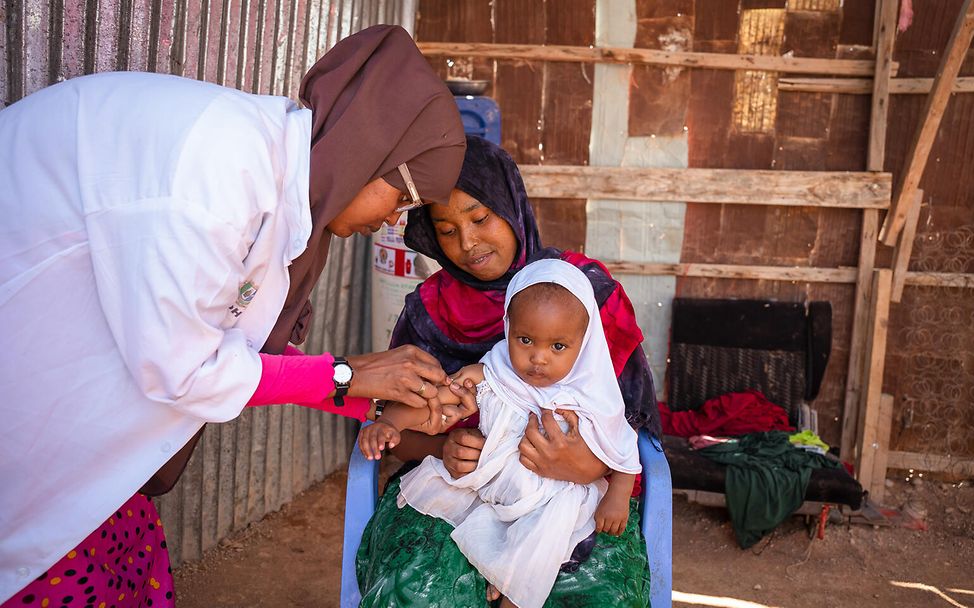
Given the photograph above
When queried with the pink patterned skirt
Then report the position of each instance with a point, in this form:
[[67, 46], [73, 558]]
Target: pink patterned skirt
[[124, 563]]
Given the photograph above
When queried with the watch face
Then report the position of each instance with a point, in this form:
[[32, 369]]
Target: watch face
[[343, 373]]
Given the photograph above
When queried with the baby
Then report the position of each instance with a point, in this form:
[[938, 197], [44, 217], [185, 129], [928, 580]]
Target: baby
[[514, 526]]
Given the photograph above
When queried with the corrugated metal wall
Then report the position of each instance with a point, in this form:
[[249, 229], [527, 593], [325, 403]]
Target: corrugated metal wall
[[253, 465]]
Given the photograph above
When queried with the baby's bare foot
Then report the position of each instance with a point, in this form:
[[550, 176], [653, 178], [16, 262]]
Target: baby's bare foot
[[492, 593]]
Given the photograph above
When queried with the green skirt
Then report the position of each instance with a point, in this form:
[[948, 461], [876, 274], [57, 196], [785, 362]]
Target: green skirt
[[408, 559]]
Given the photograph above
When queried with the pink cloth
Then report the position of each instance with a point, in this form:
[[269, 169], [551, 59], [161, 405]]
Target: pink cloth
[[306, 380], [731, 414], [122, 563]]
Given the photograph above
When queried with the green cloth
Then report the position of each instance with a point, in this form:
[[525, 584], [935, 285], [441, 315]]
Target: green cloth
[[408, 559], [766, 480]]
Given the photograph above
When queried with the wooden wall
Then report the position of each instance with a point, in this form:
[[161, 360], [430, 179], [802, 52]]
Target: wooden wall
[[742, 120], [546, 108]]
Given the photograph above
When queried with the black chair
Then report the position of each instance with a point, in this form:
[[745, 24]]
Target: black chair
[[725, 346]]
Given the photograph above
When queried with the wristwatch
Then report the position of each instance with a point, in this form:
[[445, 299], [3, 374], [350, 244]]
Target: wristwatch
[[343, 379]]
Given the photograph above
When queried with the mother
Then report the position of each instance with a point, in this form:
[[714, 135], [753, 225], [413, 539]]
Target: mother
[[158, 232], [481, 239]]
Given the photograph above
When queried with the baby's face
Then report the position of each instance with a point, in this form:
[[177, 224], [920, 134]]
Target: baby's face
[[545, 338]]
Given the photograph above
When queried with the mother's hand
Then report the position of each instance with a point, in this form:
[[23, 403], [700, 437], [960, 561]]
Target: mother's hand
[[557, 455], [404, 374]]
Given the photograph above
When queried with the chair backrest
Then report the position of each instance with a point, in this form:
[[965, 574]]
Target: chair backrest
[[725, 346]]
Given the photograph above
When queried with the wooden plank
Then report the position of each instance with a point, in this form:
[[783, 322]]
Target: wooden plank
[[885, 33], [864, 86], [941, 279], [799, 274], [869, 405], [960, 41], [880, 101], [857, 342], [933, 463], [789, 188], [901, 256], [878, 490], [720, 61]]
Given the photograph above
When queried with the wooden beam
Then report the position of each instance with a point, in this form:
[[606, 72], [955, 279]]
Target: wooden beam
[[584, 54], [941, 279], [885, 29], [869, 405], [904, 247], [878, 490], [863, 190], [864, 86], [960, 41], [857, 342], [799, 274], [880, 99], [933, 463]]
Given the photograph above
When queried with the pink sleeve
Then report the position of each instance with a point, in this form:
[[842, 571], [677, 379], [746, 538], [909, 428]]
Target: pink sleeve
[[305, 380]]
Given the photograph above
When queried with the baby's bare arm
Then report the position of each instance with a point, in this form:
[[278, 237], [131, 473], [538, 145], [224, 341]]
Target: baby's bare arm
[[402, 417], [612, 514], [473, 372]]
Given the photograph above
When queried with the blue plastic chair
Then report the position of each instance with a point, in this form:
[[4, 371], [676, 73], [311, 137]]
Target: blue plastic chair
[[656, 519]]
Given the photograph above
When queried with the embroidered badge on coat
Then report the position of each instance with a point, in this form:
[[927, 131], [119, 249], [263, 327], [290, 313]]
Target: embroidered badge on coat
[[246, 295]]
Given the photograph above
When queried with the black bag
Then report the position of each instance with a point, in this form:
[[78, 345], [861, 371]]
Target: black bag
[[167, 476]]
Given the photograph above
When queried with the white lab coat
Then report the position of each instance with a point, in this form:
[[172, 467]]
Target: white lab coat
[[146, 226]]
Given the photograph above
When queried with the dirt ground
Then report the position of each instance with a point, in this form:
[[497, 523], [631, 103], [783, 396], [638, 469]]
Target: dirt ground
[[293, 558]]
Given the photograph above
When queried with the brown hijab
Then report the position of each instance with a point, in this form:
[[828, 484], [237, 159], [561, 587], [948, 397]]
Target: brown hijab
[[375, 103]]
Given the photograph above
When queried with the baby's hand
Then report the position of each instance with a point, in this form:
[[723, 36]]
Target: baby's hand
[[374, 438], [474, 373], [611, 516]]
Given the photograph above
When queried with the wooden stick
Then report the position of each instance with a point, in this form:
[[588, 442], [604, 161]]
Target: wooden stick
[[901, 257], [932, 463], [788, 188], [873, 375], [719, 61], [885, 32], [941, 279], [878, 490], [926, 133], [864, 86]]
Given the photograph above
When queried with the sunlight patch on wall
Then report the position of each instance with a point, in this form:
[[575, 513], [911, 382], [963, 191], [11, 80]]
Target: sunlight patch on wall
[[814, 5], [761, 32]]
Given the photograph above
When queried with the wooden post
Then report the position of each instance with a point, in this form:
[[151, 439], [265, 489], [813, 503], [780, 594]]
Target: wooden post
[[885, 34], [869, 405], [901, 257], [878, 490], [926, 132]]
